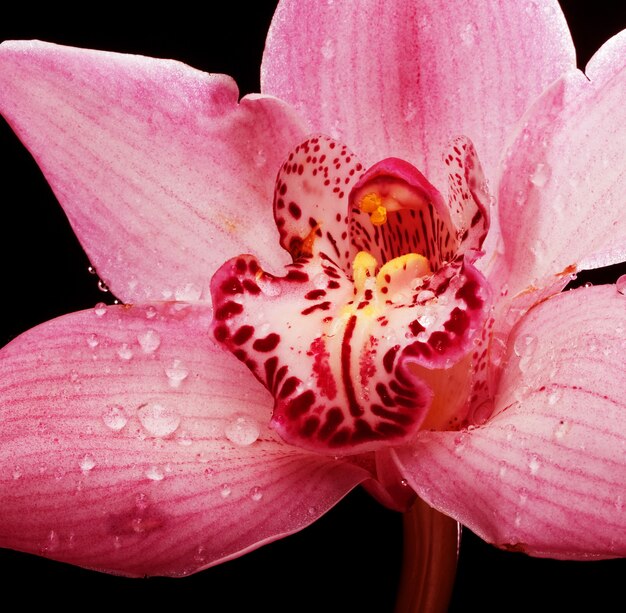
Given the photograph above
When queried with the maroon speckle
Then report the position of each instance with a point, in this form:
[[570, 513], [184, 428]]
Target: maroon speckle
[[333, 285], [243, 334], [253, 267], [298, 276], [346, 353], [241, 265], [334, 417], [221, 333], [389, 358], [289, 387], [314, 294], [270, 369], [240, 354], [311, 424], [383, 393], [439, 341], [251, 287], [266, 344], [228, 310], [295, 211], [416, 327], [469, 293], [322, 306], [458, 322], [231, 286], [299, 405], [322, 370]]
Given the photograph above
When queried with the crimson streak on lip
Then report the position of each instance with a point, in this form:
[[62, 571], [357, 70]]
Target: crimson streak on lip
[[346, 352]]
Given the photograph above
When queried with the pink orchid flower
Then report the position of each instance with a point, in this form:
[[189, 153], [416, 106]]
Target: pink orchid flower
[[160, 434]]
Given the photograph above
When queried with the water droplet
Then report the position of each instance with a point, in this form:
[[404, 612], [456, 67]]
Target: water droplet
[[92, 341], [525, 345], [189, 292], [620, 284], [242, 430], [225, 490], [150, 312], [149, 341], [534, 465], [312, 511], [125, 352], [260, 159], [553, 398], [142, 501], [518, 520], [184, 439], [468, 34], [100, 309], [158, 420], [328, 49], [114, 418], [91, 270], [561, 430], [269, 286], [256, 494], [154, 473], [540, 175], [51, 543], [102, 286], [619, 502], [176, 373], [404, 483], [87, 463], [502, 470], [410, 111], [17, 472]]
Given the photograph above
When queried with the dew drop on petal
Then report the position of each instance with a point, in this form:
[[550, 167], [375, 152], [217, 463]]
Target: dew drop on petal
[[525, 345], [328, 49], [242, 430], [154, 473], [102, 286], [225, 490], [256, 494], [620, 284], [158, 420], [150, 312], [149, 341], [124, 351], [561, 430], [553, 398], [189, 292], [540, 175], [176, 373], [51, 543], [100, 309], [17, 473], [534, 465], [87, 463], [114, 418], [92, 341]]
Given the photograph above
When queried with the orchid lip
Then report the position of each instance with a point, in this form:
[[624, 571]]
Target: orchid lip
[[378, 289]]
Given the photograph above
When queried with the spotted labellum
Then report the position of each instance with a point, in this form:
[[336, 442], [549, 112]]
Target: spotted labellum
[[381, 295]]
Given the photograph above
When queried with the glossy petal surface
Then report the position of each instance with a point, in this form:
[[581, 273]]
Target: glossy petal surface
[[401, 79], [563, 186], [547, 474], [157, 166], [131, 444]]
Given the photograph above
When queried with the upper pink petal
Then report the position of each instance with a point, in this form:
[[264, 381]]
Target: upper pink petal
[[563, 186], [402, 78], [161, 172], [547, 474], [131, 444]]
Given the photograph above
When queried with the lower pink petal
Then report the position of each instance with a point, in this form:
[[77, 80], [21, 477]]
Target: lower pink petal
[[131, 444], [547, 474], [163, 175], [562, 189]]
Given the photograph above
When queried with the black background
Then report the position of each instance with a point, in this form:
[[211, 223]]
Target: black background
[[348, 560]]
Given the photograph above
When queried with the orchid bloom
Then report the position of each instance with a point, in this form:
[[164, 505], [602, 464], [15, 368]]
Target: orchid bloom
[[379, 335]]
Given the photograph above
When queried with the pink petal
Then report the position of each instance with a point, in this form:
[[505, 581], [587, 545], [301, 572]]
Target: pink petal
[[161, 173], [547, 474], [401, 79], [132, 444], [562, 191]]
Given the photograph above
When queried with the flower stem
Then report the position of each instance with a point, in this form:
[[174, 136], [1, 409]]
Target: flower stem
[[431, 550]]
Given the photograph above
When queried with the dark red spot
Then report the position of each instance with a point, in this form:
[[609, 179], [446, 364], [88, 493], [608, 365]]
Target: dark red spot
[[439, 341], [221, 333], [228, 310], [298, 276], [251, 287], [398, 417], [416, 327], [334, 417], [311, 424], [346, 353], [241, 265], [458, 322], [231, 286], [469, 293], [253, 267], [340, 438], [295, 211], [299, 405], [270, 369], [289, 387], [266, 344], [322, 306], [389, 358], [315, 294], [333, 285], [383, 393], [240, 354], [243, 334]]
